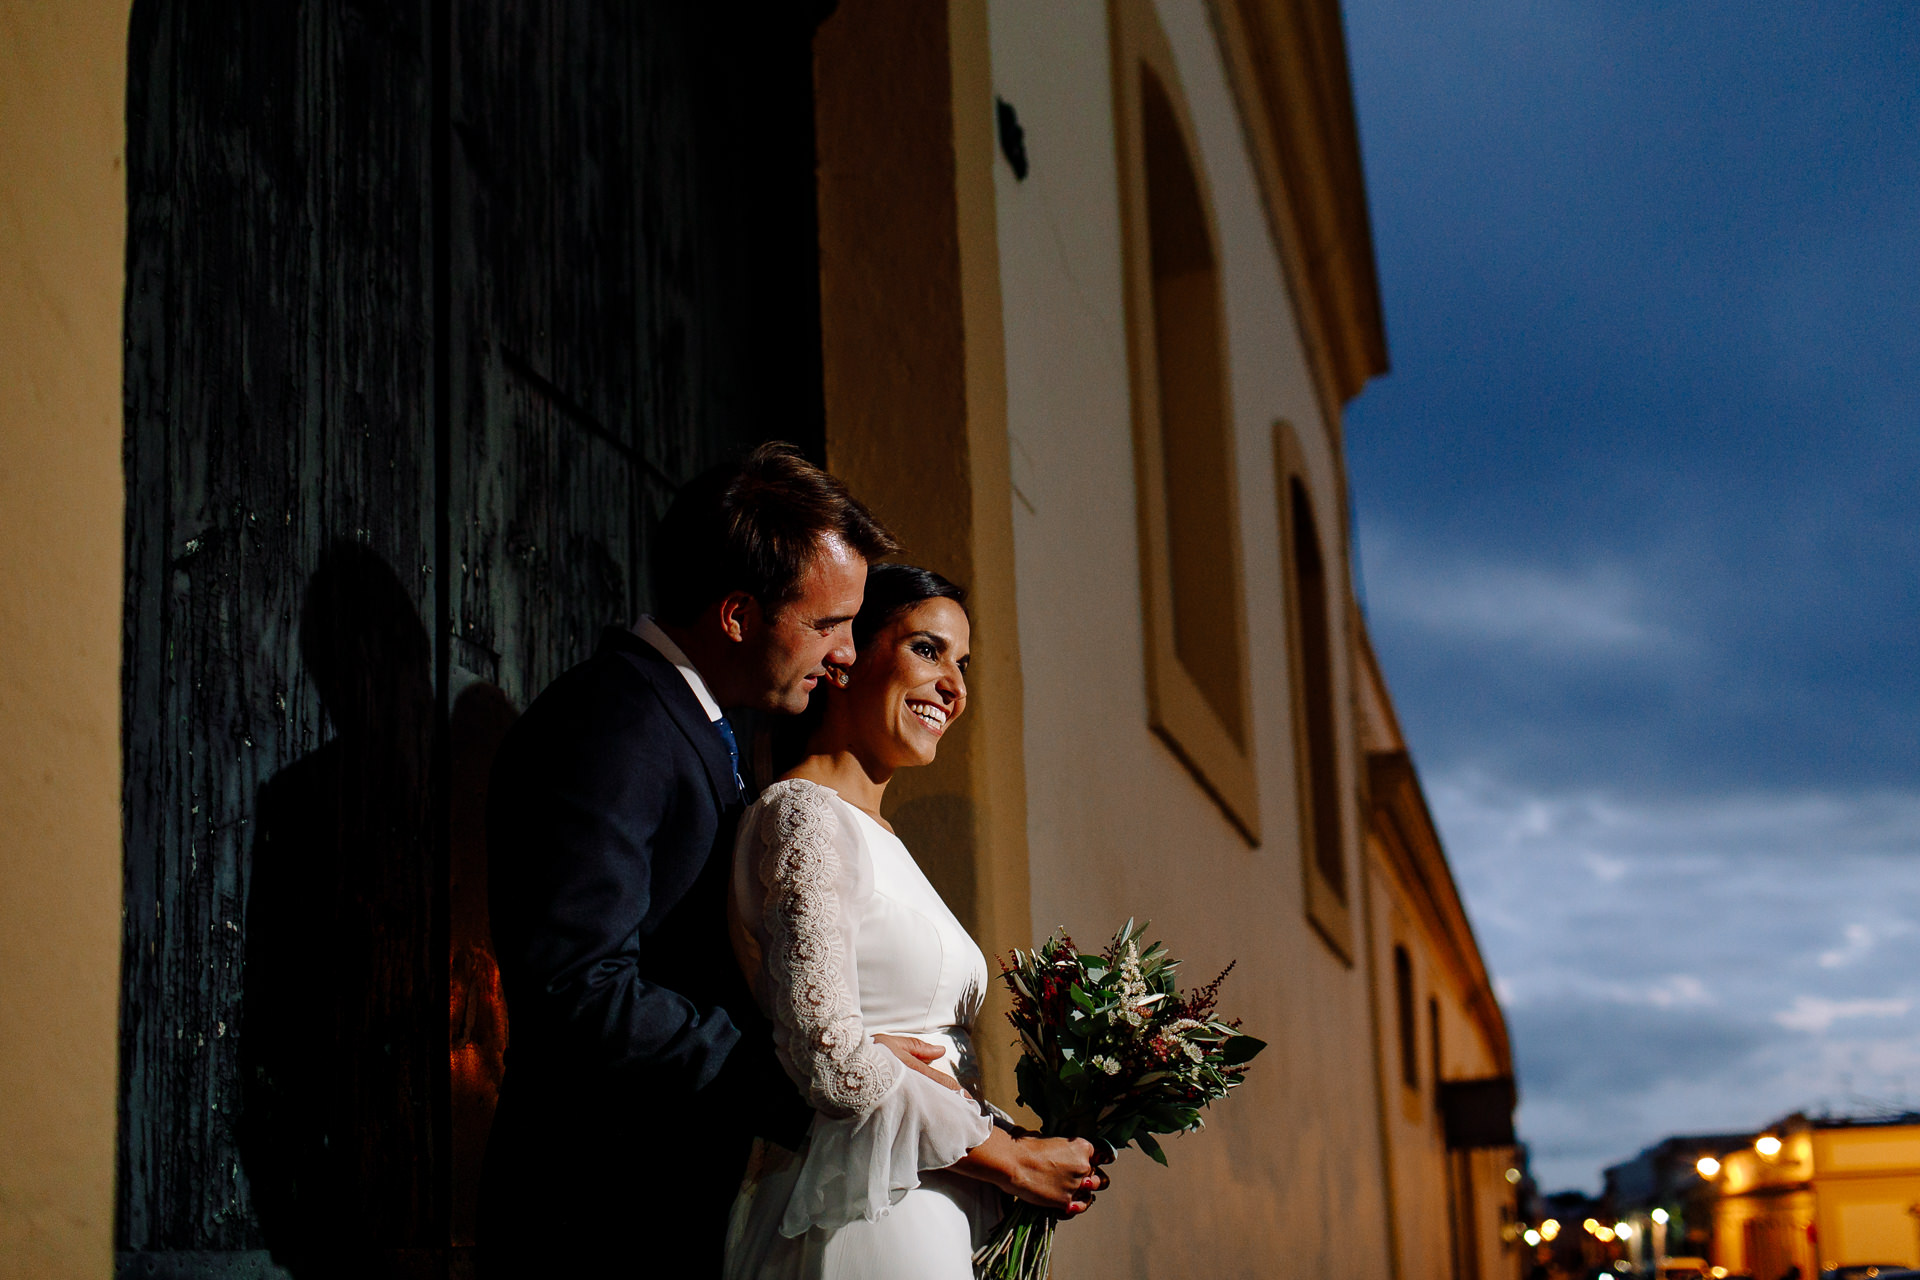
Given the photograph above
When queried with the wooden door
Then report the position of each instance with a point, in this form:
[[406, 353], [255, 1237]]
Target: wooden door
[[429, 308]]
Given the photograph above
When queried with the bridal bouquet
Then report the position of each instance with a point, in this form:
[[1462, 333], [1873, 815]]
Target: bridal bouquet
[[1111, 1052]]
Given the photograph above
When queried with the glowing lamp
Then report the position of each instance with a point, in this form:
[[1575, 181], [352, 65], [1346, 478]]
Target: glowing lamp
[[1767, 1145], [1659, 1216], [1708, 1167], [1532, 1237], [1624, 1230], [1549, 1229]]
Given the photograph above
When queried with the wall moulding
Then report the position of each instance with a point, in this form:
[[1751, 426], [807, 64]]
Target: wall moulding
[[1183, 428]]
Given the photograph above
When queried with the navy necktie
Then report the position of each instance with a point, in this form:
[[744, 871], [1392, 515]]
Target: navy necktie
[[733, 749]]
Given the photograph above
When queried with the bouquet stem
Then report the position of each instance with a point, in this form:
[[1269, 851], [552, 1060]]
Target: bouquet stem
[[1021, 1247]]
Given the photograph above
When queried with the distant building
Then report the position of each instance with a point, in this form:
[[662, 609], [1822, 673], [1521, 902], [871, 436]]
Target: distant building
[[1808, 1193], [1665, 1181], [1818, 1194]]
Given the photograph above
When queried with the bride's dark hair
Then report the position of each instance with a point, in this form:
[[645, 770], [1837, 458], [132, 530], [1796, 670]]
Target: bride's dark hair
[[892, 589]]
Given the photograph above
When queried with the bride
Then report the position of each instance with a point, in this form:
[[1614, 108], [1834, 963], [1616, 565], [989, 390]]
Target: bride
[[851, 954]]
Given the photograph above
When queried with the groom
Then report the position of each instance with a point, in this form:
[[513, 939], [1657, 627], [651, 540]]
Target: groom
[[638, 1069]]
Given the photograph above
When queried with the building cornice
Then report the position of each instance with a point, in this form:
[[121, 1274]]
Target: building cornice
[[1287, 64], [1414, 849], [1410, 842], [1412, 846]]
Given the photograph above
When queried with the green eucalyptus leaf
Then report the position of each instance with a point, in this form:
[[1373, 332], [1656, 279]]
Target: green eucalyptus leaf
[[1147, 1144], [1240, 1049]]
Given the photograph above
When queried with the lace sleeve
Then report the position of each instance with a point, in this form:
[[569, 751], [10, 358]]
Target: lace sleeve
[[802, 886], [812, 982]]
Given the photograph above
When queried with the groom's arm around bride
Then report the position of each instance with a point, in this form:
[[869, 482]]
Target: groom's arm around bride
[[638, 1069]]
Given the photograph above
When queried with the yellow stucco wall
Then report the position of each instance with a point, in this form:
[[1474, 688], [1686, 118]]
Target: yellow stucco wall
[[1418, 1154], [62, 225], [1867, 1194], [916, 421], [1418, 1151], [1287, 1177]]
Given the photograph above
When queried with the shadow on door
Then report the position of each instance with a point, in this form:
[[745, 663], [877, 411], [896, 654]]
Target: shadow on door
[[429, 307]]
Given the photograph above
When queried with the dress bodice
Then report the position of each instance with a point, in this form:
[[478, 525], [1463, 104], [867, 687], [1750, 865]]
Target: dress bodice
[[914, 969], [843, 937], [920, 972]]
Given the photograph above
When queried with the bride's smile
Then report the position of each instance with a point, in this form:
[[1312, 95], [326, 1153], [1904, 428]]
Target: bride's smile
[[908, 686]]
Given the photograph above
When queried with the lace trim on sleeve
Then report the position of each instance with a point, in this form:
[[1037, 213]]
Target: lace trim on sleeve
[[847, 1074]]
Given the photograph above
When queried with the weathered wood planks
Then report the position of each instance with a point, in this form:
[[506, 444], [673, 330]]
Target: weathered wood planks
[[625, 227]]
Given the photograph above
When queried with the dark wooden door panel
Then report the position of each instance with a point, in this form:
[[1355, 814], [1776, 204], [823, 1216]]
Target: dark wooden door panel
[[619, 280], [544, 536], [542, 513], [637, 295], [277, 329]]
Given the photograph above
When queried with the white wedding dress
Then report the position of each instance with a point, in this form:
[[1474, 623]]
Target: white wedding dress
[[843, 937]]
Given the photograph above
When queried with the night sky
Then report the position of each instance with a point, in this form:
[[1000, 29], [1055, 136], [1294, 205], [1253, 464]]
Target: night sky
[[1638, 513]]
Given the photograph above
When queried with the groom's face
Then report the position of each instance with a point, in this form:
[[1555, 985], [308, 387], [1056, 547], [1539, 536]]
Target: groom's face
[[813, 631]]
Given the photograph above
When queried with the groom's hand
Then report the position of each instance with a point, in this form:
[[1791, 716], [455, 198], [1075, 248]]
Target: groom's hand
[[919, 1055]]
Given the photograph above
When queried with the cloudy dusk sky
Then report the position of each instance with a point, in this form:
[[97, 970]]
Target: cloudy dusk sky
[[1638, 513]]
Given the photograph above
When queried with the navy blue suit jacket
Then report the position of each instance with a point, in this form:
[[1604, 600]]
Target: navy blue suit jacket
[[638, 1068]]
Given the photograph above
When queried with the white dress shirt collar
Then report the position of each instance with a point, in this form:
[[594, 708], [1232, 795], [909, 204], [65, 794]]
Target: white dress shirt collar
[[649, 630]]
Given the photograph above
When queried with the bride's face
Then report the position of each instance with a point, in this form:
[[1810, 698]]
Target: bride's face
[[909, 684]]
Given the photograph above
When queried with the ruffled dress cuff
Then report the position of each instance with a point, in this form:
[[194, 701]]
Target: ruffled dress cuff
[[859, 1166]]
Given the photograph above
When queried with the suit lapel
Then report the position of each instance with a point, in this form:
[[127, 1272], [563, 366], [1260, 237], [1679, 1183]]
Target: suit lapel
[[682, 708]]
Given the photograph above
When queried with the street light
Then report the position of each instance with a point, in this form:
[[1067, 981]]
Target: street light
[[1624, 1230], [1708, 1167], [1549, 1229], [1767, 1145], [1659, 1216], [1532, 1237]]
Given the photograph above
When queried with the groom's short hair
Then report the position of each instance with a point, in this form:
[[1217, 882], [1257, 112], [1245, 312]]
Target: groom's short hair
[[754, 526]]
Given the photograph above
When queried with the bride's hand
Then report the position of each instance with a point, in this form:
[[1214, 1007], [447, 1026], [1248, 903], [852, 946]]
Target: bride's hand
[[919, 1055], [1054, 1173]]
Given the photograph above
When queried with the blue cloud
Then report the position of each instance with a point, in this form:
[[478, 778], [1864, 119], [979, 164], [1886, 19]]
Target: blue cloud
[[1691, 963], [1638, 529]]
